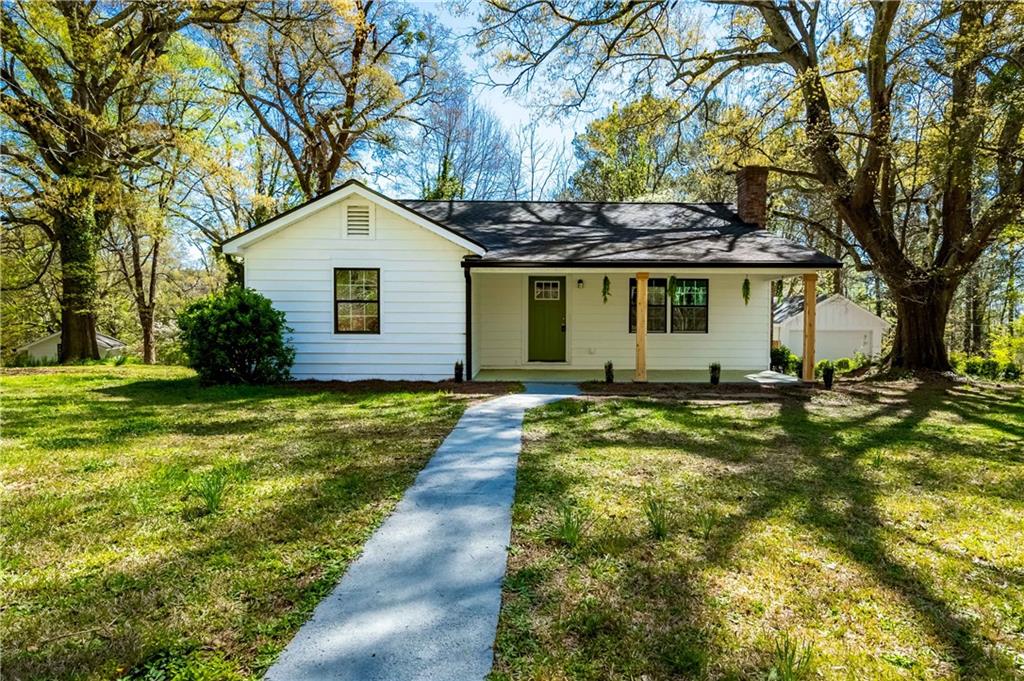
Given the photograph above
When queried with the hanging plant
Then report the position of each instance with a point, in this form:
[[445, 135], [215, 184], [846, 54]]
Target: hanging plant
[[606, 289], [672, 288], [746, 291]]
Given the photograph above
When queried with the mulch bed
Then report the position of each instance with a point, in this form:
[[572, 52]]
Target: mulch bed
[[468, 389], [701, 390]]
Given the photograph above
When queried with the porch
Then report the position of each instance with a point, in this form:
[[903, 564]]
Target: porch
[[657, 325], [542, 375]]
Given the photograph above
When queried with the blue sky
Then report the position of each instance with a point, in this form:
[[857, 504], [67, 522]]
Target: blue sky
[[511, 108]]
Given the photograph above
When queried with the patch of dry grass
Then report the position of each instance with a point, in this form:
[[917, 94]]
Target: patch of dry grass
[[881, 527], [112, 567]]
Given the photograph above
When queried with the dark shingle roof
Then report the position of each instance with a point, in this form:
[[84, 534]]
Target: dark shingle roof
[[547, 232], [791, 306]]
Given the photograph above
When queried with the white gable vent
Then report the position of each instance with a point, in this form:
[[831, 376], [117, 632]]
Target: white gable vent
[[359, 221]]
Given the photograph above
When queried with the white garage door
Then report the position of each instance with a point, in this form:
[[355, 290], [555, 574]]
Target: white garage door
[[833, 344]]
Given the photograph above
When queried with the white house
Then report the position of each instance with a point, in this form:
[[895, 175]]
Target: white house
[[843, 328], [375, 287], [47, 348]]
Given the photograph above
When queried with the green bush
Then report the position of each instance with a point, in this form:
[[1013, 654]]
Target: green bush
[[990, 368], [972, 366], [236, 337], [843, 364], [1011, 371], [784, 360], [780, 358]]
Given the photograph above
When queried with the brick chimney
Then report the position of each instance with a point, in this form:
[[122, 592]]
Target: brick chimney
[[752, 194]]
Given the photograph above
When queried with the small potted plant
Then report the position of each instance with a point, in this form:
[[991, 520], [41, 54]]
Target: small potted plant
[[716, 372], [828, 374], [609, 372], [459, 372]]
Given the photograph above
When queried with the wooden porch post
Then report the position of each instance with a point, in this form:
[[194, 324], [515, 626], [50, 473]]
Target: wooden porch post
[[640, 375], [810, 310]]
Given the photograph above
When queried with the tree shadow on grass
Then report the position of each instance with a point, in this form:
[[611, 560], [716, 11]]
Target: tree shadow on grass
[[341, 477], [831, 479], [799, 458]]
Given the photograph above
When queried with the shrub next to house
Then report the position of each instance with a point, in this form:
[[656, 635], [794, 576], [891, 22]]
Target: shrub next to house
[[236, 336]]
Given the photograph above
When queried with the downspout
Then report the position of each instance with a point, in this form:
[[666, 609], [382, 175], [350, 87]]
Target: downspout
[[469, 322]]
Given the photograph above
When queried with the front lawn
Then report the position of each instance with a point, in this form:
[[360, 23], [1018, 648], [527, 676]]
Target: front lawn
[[112, 568], [880, 528]]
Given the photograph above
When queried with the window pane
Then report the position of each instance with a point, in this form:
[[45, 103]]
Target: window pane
[[656, 292], [358, 317], [355, 284], [689, 319], [690, 292], [656, 319]]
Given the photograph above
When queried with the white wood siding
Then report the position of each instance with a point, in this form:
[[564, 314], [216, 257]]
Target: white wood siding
[[738, 334], [422, 296]]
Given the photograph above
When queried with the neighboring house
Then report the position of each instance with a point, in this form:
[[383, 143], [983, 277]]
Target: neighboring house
[[48, 347], [375, 287], [843, 328]]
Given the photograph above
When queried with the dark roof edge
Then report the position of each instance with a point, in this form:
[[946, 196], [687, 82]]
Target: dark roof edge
[[471, 262], [570, 201], [343, 185]]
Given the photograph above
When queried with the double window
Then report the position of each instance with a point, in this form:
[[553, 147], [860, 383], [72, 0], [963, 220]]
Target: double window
[[684, 308], [356, 300]]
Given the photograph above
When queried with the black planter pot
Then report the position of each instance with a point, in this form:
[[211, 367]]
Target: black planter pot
[[828, 375], [716, 375]]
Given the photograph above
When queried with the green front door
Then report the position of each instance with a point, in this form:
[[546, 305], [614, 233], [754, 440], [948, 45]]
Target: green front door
[[547, 319]]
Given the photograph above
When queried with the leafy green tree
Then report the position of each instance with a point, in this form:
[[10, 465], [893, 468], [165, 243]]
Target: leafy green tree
[[327, 82], [446, 186], [908, 117], [628, 153], [77, 78]]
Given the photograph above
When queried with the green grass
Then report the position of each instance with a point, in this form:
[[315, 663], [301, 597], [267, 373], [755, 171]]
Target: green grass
[[876, 532], [125, 553]]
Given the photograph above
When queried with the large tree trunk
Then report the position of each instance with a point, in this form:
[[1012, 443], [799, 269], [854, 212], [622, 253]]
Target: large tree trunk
[[148, 339], [921, 313], [77, 235]]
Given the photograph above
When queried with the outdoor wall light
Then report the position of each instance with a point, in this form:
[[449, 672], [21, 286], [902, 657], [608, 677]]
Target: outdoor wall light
[[579, 283]]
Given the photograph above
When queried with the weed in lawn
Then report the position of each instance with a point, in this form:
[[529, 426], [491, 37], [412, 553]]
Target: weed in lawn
[[210, 488], [905, 571], [707, 519], [656, 512], [877, 459], [570, 525], [791, 660], [96, 463], [685, 656], [574, 407]]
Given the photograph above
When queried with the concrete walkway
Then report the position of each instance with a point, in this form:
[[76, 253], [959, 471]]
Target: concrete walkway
[[422, 601]]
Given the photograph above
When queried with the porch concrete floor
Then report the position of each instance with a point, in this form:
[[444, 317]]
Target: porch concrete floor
[[543, 375]]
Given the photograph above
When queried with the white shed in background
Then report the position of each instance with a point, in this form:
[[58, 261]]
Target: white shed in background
[[47, 348], [843, 328]]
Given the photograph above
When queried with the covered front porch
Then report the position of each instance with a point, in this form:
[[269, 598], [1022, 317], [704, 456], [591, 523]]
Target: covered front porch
[[653, 324]]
